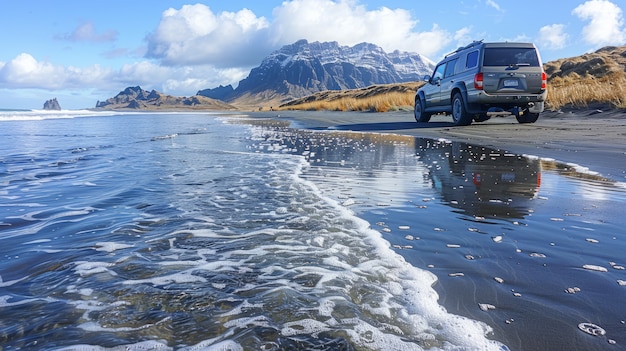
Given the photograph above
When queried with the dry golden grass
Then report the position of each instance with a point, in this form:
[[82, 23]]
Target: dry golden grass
[[580, 92], [379, 103], [376, 98], [572, 91]]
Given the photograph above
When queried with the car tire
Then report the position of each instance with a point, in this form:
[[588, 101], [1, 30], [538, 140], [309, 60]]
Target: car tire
[[460, 116], [527, 117], [418, 111]]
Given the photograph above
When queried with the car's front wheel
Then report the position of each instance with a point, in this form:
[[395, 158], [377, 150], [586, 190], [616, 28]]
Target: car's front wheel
[[460, 116], [418, 111]]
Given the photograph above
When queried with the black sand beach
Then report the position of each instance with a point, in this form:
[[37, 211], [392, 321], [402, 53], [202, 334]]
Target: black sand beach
[[539, 306]]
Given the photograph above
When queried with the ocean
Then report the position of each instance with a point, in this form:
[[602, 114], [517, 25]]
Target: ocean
[[213, 231]]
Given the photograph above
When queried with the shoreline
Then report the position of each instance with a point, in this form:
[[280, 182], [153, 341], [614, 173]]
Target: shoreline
[[537, 257], [593, 139], [506, 256]]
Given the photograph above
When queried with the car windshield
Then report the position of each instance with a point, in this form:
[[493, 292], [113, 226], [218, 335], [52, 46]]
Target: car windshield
[[511, 57]]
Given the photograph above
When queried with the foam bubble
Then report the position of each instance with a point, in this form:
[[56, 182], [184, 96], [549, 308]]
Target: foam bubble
[[592, 267], [10, 282], [111, 246], [144, 345], [213, 345], [304, 326], [85, 269], [486, 307], [592, 329], [39, 241], [176, 278]]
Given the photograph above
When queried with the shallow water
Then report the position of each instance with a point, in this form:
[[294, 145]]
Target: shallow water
[[182, 231]]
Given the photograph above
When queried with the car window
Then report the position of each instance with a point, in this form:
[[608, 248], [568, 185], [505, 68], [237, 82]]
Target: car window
[[439, 71], [511, 57], [472, 59], [450, 68]]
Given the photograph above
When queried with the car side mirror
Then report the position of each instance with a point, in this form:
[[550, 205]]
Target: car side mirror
[[426, 78]]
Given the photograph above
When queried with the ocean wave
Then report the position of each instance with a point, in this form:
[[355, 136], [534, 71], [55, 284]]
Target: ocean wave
[[36, 115]]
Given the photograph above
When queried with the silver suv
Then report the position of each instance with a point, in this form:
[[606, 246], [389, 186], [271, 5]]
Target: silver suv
[[482, 80]]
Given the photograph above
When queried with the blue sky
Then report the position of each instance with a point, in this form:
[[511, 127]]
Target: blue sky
[[82, 52]]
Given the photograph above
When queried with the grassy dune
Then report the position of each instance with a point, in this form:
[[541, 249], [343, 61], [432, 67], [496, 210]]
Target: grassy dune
[[580, 92], [376, 98], [597, 78]]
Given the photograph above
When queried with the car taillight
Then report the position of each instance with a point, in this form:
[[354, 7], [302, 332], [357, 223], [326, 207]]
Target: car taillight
[[478, 81], [476, 179], [544, 80]]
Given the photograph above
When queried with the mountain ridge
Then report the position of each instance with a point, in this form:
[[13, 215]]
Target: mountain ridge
[[302, 68]]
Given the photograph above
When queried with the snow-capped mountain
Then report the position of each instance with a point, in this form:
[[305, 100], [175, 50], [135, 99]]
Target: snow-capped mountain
[[303, 68]]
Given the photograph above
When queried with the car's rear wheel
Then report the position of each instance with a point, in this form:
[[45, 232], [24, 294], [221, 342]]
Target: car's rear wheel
[[527, 117], [418, 111], [460, 116]]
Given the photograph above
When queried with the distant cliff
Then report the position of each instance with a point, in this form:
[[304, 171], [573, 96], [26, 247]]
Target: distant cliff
[[304, 68], [135, 98], [52, 104], [219, 93]]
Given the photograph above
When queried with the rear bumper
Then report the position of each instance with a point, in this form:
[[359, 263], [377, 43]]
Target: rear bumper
[[480, 101]]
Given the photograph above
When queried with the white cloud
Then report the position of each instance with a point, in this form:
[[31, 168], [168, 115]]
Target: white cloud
[[606, 22], [493, 4], [87, 32], [553, 36], [348, 23], [195, 35], [463, 36], [184, 81], [25, 72]]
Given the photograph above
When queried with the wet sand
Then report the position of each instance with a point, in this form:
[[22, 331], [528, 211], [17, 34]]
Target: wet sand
[[571, 225], [590, 138]]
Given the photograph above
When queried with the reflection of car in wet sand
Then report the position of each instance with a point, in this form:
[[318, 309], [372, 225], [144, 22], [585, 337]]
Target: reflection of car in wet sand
[[481, 181]]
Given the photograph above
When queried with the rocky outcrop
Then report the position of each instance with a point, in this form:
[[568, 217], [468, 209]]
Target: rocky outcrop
[[136, 98], [129, 96], [304, 68], [52, 104]]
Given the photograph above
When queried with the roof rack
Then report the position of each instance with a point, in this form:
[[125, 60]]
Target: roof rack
[[472, 44]]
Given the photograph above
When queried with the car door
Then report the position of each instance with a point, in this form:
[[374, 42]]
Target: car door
[[433, 93], [447, 82]]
